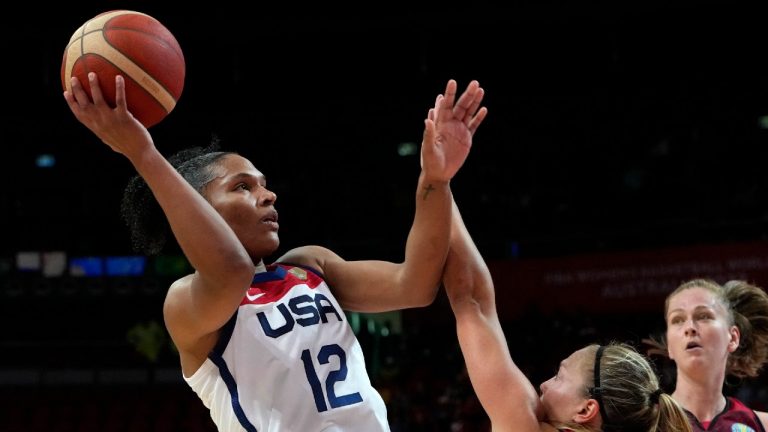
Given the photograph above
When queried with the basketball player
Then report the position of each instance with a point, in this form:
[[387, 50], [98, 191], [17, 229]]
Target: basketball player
[[267, 347], [597, 388], [714, 331]]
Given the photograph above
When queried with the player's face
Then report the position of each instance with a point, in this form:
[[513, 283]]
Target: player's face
[[699, 335], [239, 193], [563, 396]]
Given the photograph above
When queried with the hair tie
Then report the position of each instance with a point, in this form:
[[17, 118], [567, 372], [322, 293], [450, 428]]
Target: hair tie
[[654, 398]]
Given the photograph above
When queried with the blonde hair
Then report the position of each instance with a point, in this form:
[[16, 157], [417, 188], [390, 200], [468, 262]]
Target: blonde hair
[[629, 394]]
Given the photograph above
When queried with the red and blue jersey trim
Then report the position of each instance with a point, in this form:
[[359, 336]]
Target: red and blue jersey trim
[[277, 281]]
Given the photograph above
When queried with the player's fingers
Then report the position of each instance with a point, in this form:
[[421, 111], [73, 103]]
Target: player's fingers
[[79, 94], [120, 101], [70, 99], [429, 132], [93, 81], [477, 119], [474, 105], [439, 102], [450, 94], [465, 100]]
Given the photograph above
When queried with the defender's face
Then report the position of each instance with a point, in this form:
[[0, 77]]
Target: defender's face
[[562, 396], [699, 334]]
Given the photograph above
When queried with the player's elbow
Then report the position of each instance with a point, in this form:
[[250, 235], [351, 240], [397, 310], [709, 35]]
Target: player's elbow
[[426, 296]]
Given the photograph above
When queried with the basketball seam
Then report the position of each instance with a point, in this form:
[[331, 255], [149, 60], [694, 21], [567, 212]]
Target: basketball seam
[[140, 76], [151, 35], [153, 97], [80, 40]]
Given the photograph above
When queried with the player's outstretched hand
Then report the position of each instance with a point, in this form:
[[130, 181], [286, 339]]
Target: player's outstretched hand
[[448, 131]]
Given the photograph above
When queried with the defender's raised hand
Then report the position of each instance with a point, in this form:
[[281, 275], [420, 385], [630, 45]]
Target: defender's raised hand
[[449, 128]]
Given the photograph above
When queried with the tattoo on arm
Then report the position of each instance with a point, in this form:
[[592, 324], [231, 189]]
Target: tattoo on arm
[[427, 190]]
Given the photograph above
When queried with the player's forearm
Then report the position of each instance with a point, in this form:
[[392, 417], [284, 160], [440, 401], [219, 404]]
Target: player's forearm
[[497, 381], [466, 276], [427, 244]]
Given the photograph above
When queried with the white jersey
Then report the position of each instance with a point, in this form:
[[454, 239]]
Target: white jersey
[[288, 361]]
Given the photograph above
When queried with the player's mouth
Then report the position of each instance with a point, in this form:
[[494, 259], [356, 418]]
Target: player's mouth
[[271, 220], [692, 345]]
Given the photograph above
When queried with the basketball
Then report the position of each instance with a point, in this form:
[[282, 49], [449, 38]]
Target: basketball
[[136, 46]]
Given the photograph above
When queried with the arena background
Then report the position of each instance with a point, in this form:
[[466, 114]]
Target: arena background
[[624, 152]]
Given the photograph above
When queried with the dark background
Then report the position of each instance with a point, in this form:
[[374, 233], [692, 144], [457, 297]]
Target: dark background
[[610, 127], [613, 129]]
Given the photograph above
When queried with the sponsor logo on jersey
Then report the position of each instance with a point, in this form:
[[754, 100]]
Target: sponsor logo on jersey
[[253, 297]]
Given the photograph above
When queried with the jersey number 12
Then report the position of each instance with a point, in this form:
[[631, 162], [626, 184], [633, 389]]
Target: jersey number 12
[[333, 377]]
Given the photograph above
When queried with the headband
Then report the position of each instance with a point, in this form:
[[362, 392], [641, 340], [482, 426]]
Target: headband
[[597, 392]]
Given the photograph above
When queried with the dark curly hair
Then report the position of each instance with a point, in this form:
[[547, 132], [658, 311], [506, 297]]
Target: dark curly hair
[[142, 213]]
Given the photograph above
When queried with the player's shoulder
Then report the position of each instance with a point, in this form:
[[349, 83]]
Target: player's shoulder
[[311, 256], [183, 281], [179, 285], [763, 417]]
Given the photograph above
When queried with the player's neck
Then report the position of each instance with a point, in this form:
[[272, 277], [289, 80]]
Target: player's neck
[[703, 401], [260, 267]]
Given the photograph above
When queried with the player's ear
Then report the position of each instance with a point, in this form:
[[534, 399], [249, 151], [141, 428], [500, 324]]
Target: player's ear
[[588, 411], [735, 334]]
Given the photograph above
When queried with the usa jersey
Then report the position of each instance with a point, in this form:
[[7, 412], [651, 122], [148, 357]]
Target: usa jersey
[[736, 417], [288, 361]]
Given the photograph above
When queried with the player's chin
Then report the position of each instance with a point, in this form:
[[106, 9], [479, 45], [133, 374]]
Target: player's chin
[[264, 245], [272, 242]]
